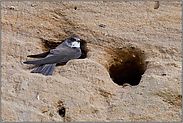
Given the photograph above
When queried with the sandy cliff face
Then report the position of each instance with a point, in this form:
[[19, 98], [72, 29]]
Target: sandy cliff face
[[130, 70]]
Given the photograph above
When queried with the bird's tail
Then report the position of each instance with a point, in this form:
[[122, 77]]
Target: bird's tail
[[46, 69]]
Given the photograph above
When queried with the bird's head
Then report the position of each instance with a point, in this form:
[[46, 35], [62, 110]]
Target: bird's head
[[73, 42]]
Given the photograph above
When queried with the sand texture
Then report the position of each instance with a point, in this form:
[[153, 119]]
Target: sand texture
[[130, 69]]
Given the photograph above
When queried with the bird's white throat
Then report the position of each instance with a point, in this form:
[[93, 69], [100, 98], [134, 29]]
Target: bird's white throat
[[75, 44]]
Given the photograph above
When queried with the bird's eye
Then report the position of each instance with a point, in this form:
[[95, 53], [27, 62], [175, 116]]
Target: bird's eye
[[73, 39]]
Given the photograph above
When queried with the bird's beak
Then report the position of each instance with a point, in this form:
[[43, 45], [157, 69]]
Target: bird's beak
[[79, 40]]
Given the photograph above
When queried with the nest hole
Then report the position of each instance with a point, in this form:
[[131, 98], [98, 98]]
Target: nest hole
[[128, 67], [61, 112], [84, 50]]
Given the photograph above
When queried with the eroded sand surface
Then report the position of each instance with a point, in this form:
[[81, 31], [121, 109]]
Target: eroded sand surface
[[140, 46]]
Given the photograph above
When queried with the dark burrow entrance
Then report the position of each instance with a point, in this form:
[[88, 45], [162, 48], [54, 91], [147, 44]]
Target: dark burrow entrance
[[61, 109], [129, 65], [61, 112]]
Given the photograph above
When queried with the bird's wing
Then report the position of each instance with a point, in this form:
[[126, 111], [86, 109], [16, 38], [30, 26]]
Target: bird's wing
[[41, 55], [58, 56]]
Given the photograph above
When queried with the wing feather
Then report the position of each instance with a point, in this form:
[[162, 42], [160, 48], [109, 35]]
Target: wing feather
[[41, 55], [58, 56]]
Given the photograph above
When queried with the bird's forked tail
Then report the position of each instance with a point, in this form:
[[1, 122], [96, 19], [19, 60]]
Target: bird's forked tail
[[46, 69]]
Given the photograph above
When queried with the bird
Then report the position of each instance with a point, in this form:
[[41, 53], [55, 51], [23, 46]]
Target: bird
[[68, 50]]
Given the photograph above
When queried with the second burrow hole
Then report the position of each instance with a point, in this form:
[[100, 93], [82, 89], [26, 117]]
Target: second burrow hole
[[128, 65]]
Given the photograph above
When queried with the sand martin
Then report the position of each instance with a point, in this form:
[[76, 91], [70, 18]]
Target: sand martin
[[68, 50]]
